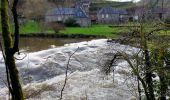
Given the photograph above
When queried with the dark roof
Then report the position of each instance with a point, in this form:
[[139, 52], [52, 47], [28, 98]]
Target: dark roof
[[77, 12], [110, 10], [57, 11]]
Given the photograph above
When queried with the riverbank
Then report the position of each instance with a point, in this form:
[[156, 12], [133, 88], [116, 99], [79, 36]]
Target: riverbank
[[32, 29], [94, 31], [60, 35]]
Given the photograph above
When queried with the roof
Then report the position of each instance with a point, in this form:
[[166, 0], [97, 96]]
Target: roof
[[77, 12], [57, 11], [110, 10]]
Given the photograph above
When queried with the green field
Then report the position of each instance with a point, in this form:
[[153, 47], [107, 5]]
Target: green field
[[98, 30], [33, 27], [30, 27]]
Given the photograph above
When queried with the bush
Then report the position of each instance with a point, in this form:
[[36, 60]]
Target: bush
[[56, 26], [71, 23]]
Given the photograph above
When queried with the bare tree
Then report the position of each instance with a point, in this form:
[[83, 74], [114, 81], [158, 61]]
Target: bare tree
[[35, 9], [10, 48]]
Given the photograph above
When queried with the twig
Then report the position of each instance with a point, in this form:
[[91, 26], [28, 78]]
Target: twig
[[66, 73]]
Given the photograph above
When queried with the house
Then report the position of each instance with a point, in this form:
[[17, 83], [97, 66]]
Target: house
[[84, 4], [62, 14], [159, 12], [110, 15], [141, 12], [93, 16]]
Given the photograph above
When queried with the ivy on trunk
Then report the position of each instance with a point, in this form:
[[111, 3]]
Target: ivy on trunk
[[10, 48]]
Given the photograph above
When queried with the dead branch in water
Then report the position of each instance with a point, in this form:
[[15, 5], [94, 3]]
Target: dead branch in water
[[66, 78]]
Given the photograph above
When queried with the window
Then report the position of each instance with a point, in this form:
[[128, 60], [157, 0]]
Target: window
[[107, 15], [59, 18], [102, 15]]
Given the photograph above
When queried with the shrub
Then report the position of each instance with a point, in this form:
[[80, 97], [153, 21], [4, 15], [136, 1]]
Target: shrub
[[70, 22], [56, 26]]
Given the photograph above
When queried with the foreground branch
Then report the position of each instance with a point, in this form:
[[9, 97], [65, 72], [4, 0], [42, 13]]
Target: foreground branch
[[17, 93], [7, 71], [16, 25], [65, 81]]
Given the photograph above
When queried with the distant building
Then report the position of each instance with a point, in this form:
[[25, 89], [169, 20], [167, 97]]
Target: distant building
[[110, 15], [93, 16], [62, 14], [84, 4], [140, 12], [158, 12]]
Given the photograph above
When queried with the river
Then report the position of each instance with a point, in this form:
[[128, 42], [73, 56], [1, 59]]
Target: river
[[46, 67], [33, 44]]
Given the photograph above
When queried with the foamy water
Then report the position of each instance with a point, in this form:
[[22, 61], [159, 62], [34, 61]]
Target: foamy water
[[85, 80]]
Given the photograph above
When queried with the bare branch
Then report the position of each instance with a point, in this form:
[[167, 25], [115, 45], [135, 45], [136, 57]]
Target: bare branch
[[67, 72], [16, 31]]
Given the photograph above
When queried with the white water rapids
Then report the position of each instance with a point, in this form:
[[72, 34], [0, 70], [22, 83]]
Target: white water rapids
[[43, 73]]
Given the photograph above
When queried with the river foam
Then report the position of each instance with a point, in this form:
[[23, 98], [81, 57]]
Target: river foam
[[86, 81]]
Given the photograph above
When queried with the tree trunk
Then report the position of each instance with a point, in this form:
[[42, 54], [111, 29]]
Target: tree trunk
[[163, 86], [148, 72], [162, 73], [148, 76], [16, 91]]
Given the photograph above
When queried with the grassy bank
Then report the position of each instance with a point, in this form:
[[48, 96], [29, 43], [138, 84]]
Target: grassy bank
[[98, 30], [94, 30], [35, 29]]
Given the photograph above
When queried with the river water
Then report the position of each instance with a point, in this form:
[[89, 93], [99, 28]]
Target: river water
[[33, 44], [45, 65]]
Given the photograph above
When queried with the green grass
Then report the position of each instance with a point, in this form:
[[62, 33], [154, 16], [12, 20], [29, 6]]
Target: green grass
[[164, 32], [34, 27], [98, 30], [30, 27]]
